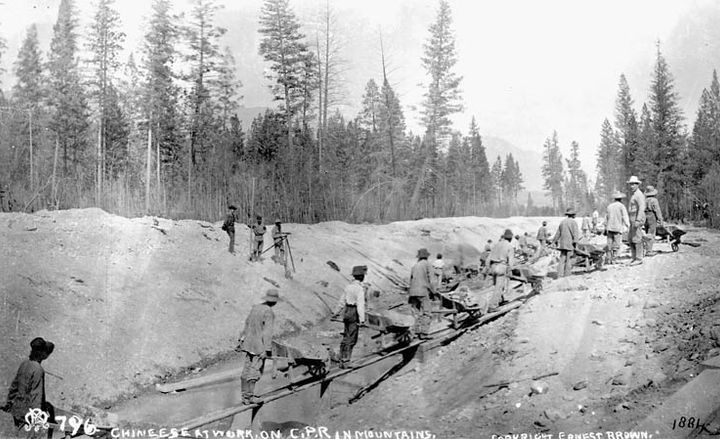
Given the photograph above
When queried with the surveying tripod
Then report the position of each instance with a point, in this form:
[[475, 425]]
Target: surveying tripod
[[284, 242]]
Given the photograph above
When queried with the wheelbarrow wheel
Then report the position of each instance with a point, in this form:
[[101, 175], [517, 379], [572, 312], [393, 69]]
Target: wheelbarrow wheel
[[674, 246]]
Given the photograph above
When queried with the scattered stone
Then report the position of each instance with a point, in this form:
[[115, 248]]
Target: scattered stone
[[662, 346], [552, 414], [620, 380], [620, 407], [633, 300], [514, 385], [597, 322], [651, 323], [523, 340], [651, 303], [539, 387], [580, 385], [658, 379], [629, 362]]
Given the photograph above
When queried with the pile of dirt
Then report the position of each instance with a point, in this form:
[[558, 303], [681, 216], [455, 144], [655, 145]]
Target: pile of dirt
[[131, 301], [611, 345]]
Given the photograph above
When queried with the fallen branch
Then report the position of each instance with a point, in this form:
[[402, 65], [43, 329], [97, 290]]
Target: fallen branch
[[507, 383]]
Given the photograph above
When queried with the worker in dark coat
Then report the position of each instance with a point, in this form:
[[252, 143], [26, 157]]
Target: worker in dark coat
[[256, 343], [636, 210], [421, 291], [500, 261], [27, 390], [229, 227], [352, 307], [565, 239], [258, 232], [653, 217]]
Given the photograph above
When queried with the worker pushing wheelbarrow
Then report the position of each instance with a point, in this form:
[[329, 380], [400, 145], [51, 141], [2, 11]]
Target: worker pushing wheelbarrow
[[670, 234]]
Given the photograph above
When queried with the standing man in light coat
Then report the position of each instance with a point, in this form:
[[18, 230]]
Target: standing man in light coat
[[420, 292], [653, 217], [256, 343], [565, 239], [352, 305], [616, 222], [636, 210], [500, 261]]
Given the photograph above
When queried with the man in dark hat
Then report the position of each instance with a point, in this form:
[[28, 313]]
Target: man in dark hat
[[565, 239], [352, 306], [543, 235], [653, 217], [616, 222], [500, 260], [420, 291], [278, 242], [636, 211], [27, 390], [258, 231], [229, 227], [256, 343]]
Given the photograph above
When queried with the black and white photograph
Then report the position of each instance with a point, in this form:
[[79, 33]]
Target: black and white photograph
[[343, 219]]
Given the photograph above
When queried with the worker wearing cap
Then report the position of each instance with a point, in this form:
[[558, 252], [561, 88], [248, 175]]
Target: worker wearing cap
[[636, 210], [616, 222], [565, 239], [500, 261], [278, 242], [543, 235], [256, 343], [27, 390], [421, 291], [258, 231], [653, 217], [229, 227], [352, 307]]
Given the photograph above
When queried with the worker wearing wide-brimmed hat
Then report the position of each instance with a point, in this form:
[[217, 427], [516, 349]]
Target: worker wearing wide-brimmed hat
[[256, 343], [352, 307], [421, 291], [636, 210], [565, 239], [500, 261], [27, 390], [229, 227], [543, 235], [616, 223], [653, 217]]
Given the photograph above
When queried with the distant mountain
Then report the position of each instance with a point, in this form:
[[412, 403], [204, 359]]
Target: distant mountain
[[530, 161]]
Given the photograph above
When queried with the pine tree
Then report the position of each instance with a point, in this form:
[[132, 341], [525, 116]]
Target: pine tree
[[627, 127], [67, 97], [668, 152], [368, 117], [479, 167], [577, 179], [496, 173], [391, 126], [705, 142], [205, 58], [282, 45], [646, 141], [227, 90], [105, 44], [442, 98], [28, 90], [608, 156], [552, 171]]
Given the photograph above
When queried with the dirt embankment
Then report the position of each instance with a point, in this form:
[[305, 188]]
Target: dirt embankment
[[618, 341], [128, 301]]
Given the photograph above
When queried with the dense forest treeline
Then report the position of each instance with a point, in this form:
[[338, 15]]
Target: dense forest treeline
[[159, 133]]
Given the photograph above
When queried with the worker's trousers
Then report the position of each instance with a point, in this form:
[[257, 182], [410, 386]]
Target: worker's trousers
[[650, 229], [565, 264], [350, 336], [420, 307], [231, 234]]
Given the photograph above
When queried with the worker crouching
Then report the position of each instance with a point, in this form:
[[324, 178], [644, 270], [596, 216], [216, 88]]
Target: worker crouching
[[352, 306]]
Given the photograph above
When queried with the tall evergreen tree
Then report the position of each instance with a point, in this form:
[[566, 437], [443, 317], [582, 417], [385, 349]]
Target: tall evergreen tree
[[442, 98], [511, 179], [227, 89], [496, 173], [608, 157], [28, 90], [67, 96], [668, 152], [577, 179], [479, 166], [391, 126], [282, 45], [705, 142], [104, 45], [627, 127], [161, 93], [370, 107], [552, 171]]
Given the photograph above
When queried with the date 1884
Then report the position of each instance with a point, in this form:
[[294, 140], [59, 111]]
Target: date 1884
[[690, 423]]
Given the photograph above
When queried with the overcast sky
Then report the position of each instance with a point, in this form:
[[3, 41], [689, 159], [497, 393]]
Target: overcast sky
[[529, 66]]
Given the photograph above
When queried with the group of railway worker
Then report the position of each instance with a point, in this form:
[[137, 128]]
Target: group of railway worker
[[257, 231]]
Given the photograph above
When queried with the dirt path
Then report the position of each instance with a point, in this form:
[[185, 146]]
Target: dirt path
[[625, 338]]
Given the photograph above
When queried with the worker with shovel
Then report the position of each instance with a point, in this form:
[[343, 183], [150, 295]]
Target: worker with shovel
[[256, 343], [352, 306], [421, 291]]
